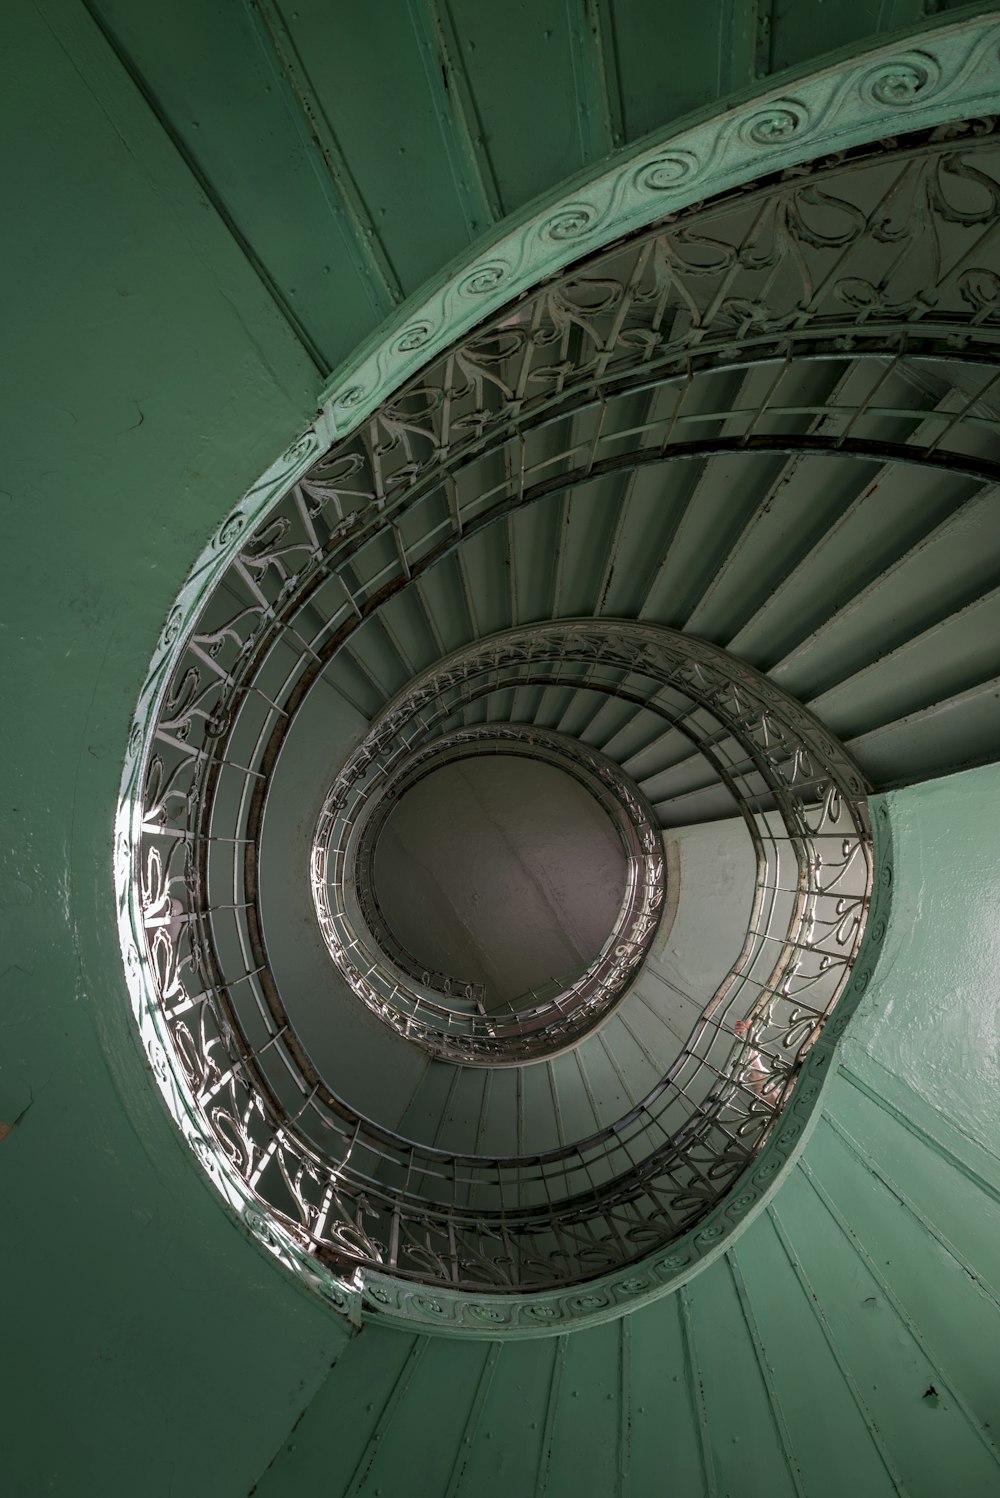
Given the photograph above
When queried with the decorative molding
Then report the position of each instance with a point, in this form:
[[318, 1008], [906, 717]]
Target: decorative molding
[[953, 74]]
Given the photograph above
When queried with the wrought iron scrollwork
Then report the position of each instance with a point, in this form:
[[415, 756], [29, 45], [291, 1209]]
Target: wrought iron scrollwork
[[882, 266]]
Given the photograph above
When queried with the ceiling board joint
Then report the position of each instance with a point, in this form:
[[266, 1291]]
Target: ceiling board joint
[[323, 150], [457, 115], [599, 109], [205, 185]]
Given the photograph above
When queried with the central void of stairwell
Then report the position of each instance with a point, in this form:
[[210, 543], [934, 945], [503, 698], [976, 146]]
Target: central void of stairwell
[[487, 892], [503, 871]]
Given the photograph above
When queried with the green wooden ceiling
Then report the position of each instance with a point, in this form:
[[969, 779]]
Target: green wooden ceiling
[[352, 151]]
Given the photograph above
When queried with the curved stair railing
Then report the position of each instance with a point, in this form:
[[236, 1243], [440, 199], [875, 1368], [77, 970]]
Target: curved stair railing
[[783, 326]]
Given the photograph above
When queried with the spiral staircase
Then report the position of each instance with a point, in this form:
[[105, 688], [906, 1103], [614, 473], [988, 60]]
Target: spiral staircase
[[648, 531]]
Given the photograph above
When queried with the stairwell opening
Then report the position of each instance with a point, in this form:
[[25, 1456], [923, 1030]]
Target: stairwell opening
[[501, 871]]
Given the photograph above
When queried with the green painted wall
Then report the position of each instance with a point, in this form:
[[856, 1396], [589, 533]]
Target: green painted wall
[[147, 379], [153, 366]]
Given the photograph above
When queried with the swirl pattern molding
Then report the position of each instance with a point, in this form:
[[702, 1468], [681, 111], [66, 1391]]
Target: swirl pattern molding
[[954, 75], [880, 262]]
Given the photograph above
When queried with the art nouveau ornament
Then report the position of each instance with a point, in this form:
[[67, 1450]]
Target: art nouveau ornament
[[877, 262]]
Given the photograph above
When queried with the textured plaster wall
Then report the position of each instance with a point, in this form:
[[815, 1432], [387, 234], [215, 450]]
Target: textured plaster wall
[[938, 1031]]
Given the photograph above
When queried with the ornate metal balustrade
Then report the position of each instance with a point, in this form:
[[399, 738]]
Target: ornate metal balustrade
[[387, 764], [885, 267], [361, 1192], [875, 271]]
